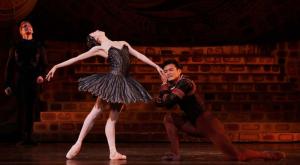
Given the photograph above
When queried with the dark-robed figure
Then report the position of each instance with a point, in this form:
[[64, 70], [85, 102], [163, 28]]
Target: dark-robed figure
[[25, 68]]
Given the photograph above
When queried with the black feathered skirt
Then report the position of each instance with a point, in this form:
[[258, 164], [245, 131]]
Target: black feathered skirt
[[114, 88]]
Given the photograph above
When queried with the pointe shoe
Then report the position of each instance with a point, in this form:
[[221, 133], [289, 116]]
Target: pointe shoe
[[274, 155], [73, 151], [170, 157], [117, 156]]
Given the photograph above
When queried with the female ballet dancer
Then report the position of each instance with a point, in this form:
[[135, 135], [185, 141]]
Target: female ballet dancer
[[116, 87]]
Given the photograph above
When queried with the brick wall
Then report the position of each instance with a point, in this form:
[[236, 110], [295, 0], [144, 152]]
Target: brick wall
[[253, 89]]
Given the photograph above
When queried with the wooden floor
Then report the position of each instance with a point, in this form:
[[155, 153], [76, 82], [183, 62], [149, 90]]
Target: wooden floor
[[137, 153]]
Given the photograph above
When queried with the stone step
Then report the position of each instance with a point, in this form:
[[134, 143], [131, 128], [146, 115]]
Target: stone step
[[100, 137], [267, 88], [143, 116], [242, 105], [162, 137], [220, 98], [99, 126], [61, 124], [156, 116], [84, 105]]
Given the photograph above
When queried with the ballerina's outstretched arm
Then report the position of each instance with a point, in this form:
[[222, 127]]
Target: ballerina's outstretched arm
[[96, 50], [145, 59]]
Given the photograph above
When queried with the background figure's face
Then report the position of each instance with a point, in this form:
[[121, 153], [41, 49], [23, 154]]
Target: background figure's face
[[172, 72], [26, 29], [98, 35]]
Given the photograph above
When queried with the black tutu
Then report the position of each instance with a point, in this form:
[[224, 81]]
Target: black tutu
[[116, 86]]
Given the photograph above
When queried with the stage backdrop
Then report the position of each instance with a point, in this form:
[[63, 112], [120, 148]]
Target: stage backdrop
[[253, 89]]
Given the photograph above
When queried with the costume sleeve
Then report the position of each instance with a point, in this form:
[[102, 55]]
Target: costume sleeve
[[42, 62], [10, 68], [170, 97]]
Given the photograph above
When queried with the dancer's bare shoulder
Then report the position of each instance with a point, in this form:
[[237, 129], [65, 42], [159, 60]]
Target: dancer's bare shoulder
[[120, 44]]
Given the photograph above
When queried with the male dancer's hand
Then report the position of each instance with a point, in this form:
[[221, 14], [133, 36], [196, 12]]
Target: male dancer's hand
[[8, 91], [39, 80], [51, 73]]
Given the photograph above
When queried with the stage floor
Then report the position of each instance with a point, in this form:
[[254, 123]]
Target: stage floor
[[137, 153]]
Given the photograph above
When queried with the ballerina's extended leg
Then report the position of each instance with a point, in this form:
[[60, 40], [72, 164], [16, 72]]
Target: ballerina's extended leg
[[87, 126]]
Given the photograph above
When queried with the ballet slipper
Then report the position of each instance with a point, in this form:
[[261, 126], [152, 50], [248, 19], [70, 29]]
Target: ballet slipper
[[117, 156], [74, 151]]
